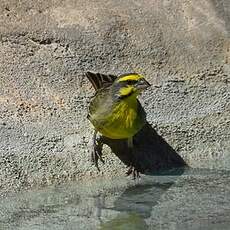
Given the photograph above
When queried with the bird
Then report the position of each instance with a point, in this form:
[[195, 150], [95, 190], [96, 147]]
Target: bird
[[115, 112]]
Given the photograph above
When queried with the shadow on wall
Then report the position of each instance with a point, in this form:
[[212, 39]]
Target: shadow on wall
[[152, 152]]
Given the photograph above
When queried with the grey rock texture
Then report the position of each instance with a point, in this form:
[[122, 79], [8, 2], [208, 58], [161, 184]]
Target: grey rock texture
[[182, 47]]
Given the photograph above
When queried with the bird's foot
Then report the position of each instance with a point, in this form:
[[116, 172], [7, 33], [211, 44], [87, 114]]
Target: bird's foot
[[135, 172], [95, 156], [96, 153]]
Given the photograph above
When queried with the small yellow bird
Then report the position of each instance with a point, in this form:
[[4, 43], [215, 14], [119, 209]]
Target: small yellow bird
[[115, 111]]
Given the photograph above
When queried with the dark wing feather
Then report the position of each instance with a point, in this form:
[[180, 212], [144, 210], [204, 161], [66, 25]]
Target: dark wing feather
[[99, 80]]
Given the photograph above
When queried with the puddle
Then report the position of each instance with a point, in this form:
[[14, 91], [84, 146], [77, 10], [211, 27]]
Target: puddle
[[187, 199]]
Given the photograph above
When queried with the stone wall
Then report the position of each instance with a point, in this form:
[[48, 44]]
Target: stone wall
[[182, 47]]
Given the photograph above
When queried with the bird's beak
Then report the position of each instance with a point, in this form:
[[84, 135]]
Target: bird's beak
[[142, 84]]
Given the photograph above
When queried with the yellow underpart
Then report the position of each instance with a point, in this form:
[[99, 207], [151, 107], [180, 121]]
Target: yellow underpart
[[125, 113], [123, 121], [126, 90], [131, 77]]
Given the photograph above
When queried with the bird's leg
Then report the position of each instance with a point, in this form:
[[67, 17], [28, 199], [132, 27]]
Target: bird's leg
[[132, 169], [97, 150], [130, 143]]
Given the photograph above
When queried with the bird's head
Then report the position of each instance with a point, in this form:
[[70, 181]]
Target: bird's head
[[130, 84]]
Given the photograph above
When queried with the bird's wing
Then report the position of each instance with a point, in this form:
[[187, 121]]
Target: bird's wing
[[99, 80]]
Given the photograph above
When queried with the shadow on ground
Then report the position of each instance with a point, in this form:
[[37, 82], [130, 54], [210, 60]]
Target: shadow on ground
[[151, 204], [152, 153], [136, 203]]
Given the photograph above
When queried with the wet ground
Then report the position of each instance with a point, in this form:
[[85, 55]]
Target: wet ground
[[178, 199]]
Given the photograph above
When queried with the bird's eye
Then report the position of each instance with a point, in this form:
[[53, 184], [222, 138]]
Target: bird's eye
[[131, 82]]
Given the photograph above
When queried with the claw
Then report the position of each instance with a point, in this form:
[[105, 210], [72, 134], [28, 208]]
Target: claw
[[95, 156], [135, 173], [96, 153]]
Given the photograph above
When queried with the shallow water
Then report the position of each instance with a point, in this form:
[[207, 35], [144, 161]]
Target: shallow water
[[177, 200]]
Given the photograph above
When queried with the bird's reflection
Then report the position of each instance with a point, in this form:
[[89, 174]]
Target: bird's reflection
[[141, 198], [135, 204]]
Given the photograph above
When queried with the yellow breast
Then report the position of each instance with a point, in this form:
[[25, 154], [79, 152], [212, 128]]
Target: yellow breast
[[123, 121]]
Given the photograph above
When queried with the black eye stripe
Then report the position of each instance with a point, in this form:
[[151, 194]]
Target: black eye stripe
[[130, 82]]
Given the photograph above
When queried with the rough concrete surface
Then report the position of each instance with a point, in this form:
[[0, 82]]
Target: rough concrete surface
[[182, 47]]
